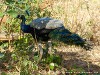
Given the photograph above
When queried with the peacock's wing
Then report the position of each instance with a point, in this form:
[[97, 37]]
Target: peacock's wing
[[46, 22]]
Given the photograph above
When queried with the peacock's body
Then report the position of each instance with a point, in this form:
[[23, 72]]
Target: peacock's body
[[47, 28]]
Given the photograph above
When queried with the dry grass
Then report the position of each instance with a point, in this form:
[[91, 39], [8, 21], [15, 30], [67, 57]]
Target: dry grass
[[80, 16]]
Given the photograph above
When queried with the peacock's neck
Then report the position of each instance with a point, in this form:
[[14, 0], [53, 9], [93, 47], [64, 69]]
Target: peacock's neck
[[23, 22], [25, 28]]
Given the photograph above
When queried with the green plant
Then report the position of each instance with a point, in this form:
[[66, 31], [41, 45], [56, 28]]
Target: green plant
[[80, 16]]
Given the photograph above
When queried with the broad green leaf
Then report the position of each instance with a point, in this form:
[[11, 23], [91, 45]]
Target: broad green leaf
[[1, 55], [25, 1], [25, 62], [36, 58], [51, 66], [3, 73], [14, 56], [1, 14], [12, 13], [9, 1], [56, 65], [35, 67]]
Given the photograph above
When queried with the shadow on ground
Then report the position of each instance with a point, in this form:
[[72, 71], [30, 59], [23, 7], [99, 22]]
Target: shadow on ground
[[74, 61]]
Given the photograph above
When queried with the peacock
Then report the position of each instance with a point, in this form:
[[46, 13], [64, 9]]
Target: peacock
[[46, 28]]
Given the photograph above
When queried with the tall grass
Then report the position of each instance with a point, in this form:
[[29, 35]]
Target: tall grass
[[79, 16]]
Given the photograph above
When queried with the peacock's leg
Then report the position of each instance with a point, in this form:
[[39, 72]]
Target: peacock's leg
[[49, 47], [40, 51]]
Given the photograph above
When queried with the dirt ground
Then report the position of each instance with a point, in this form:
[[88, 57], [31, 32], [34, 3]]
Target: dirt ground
[[79, 59], [89, 60]]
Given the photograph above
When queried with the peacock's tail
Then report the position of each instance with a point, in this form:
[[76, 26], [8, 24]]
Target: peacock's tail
[[65, 36]]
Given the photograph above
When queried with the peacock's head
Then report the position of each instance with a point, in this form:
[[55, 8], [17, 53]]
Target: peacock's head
[[22, 17]]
